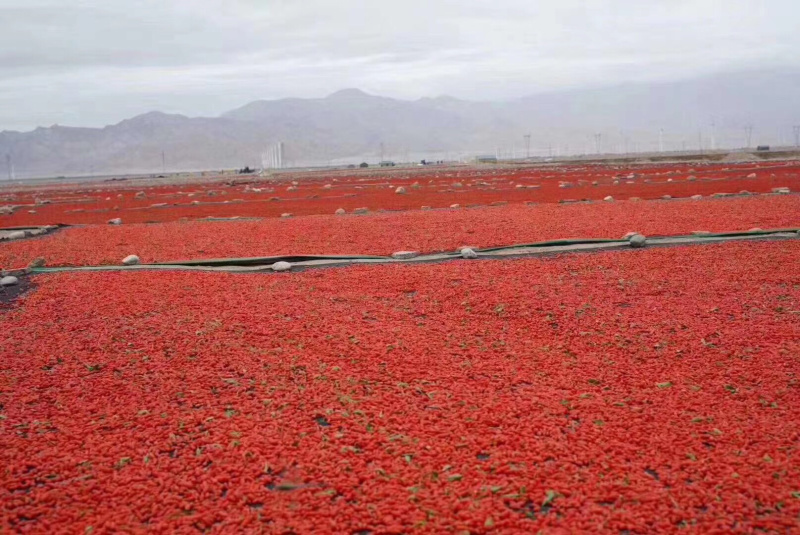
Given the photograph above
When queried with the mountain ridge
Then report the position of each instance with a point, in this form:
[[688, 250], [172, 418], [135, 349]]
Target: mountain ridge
[[352, 125]]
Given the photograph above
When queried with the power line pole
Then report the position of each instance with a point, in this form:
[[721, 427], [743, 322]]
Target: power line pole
[[597, 139], [381, 150], [796, 130], [527, 145], [713, 135], [10, 167], [163, 163], [748, 132], [661, 140]]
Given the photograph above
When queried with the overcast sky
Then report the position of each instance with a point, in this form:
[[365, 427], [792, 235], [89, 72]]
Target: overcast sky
[[96, 62]]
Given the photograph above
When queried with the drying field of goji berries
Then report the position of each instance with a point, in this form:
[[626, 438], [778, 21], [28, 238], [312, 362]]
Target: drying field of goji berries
[[142, 201], [639, 391], [382, 234]]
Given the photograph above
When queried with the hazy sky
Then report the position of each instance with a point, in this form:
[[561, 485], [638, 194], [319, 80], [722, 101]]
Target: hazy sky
[[95, 62]]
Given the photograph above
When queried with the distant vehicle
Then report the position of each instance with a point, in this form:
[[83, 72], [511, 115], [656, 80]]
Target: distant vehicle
[[486, 159], [387, 163], [762, 148]]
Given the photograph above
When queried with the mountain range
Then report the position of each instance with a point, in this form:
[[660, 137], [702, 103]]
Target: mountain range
[[349, 126]]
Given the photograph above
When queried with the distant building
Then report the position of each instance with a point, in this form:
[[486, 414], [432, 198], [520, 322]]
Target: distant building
[[272, 158], [486, 159], [762, 148]]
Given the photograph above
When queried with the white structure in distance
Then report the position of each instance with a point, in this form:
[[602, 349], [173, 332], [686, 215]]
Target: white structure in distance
[[272, 158]]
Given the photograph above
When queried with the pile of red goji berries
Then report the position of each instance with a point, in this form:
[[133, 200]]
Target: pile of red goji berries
[[382, 234], [638, 391], [324, 193]]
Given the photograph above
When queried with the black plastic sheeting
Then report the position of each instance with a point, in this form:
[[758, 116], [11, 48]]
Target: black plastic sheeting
[[266, 261]]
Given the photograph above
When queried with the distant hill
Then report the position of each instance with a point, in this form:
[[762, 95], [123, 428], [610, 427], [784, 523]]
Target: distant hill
[[351, 125]]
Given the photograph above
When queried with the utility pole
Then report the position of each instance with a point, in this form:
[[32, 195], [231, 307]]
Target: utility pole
[[597, 139], [163, 163], [713, 135], [661, 140], [748, 132], [10, 167], [700, 140], [381, 150], [796, 130], [527, 138]]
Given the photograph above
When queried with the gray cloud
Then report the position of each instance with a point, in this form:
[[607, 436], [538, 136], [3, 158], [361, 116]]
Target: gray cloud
[[94, 62]]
